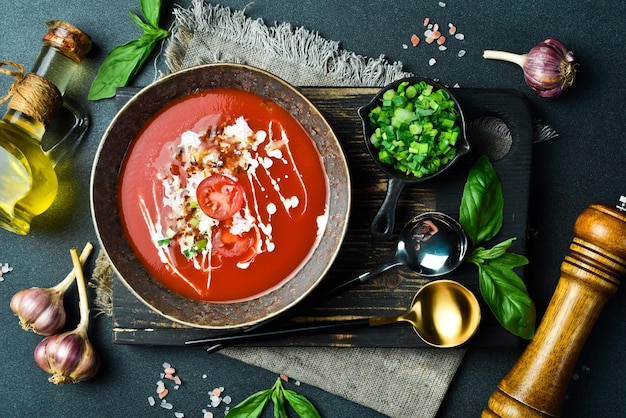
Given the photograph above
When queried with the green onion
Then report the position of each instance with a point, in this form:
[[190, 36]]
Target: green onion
[[415, 128]]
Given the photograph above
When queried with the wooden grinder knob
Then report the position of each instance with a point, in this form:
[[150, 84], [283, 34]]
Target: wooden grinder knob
[[536, 384]]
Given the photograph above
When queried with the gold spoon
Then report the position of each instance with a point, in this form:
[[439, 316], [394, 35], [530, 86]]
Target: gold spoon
[[443, 313]]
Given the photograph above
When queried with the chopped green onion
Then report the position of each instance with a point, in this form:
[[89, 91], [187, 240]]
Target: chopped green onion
[[415, 128], [164, 241]]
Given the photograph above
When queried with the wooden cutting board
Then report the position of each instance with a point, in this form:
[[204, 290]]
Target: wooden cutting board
[[391, 292]]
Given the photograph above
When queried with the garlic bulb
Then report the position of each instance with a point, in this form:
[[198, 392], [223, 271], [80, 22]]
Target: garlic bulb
[[70, 356], [41, 309], [549, 67]]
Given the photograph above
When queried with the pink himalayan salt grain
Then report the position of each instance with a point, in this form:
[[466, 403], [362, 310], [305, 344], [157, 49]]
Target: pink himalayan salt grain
[[415, 40], [426, 21], [4, 269], [163, 393], [169, 370]]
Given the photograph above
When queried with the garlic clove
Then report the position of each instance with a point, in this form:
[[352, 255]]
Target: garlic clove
[[41, 357], [88, 366]]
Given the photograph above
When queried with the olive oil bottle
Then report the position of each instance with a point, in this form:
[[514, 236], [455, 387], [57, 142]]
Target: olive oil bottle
[[28, 182]]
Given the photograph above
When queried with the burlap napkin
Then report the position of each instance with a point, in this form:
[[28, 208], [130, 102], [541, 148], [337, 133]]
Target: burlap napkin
[[207, 33]]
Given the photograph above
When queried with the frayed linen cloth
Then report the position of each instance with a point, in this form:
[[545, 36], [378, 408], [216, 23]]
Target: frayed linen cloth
[[207, 33]]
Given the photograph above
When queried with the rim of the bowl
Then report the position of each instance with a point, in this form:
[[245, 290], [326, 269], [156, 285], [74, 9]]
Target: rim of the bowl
[[171, 305], [463, 146]]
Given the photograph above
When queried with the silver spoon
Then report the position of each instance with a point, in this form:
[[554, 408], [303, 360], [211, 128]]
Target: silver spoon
[[443, 314], [431, 244]]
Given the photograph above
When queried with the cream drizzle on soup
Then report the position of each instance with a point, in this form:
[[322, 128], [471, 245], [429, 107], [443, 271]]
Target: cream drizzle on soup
[[223, 196]]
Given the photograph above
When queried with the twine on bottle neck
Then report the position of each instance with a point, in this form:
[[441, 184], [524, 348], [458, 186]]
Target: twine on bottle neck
[[31, 94]]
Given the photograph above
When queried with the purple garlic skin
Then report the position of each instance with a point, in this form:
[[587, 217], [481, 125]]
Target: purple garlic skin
[[39, 310], [68, 357], [550, 68]]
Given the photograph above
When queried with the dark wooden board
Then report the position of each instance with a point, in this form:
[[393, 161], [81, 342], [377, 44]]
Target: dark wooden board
[[391, 292]]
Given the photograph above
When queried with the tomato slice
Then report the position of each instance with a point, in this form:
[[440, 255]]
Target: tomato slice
[[227, 244], [220, 197]]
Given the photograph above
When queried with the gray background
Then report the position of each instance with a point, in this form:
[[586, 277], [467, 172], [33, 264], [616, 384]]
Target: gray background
[[585, 165]]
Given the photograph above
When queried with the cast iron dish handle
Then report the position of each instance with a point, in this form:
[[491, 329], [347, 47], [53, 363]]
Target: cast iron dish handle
[[383, 223]]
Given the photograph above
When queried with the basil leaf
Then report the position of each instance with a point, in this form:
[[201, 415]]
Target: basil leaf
[[151, 9], [121, 65], [279, 402], [303, 407], [117, 69], [509, 261], [482, 202], [143, 26], [252, 406], [124, 61], [505, 294], [481, 253]]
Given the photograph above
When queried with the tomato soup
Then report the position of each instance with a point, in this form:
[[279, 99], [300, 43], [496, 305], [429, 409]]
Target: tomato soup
[[223, 195]]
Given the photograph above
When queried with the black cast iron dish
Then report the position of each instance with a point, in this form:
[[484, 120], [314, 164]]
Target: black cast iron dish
[[382, 225]]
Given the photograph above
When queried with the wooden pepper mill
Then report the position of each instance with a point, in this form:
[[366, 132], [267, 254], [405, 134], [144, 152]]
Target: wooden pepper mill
[[536, 385]]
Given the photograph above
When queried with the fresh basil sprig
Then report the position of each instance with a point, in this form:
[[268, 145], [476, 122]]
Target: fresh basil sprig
[[481, 217], [124, 61], [254, 405]]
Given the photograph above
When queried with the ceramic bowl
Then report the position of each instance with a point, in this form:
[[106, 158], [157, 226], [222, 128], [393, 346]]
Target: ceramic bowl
[[111, 155]]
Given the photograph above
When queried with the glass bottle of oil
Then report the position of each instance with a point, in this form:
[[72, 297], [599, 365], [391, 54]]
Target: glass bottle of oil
[[28, 182]]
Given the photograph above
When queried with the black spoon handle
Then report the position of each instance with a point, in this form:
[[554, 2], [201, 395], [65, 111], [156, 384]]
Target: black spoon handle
[[287, 332], [306, 304]]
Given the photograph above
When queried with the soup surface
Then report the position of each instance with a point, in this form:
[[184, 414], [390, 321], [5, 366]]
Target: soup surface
[[223, 195]]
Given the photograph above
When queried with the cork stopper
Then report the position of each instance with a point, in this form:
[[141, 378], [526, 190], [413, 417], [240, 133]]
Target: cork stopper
[[70, 40]]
